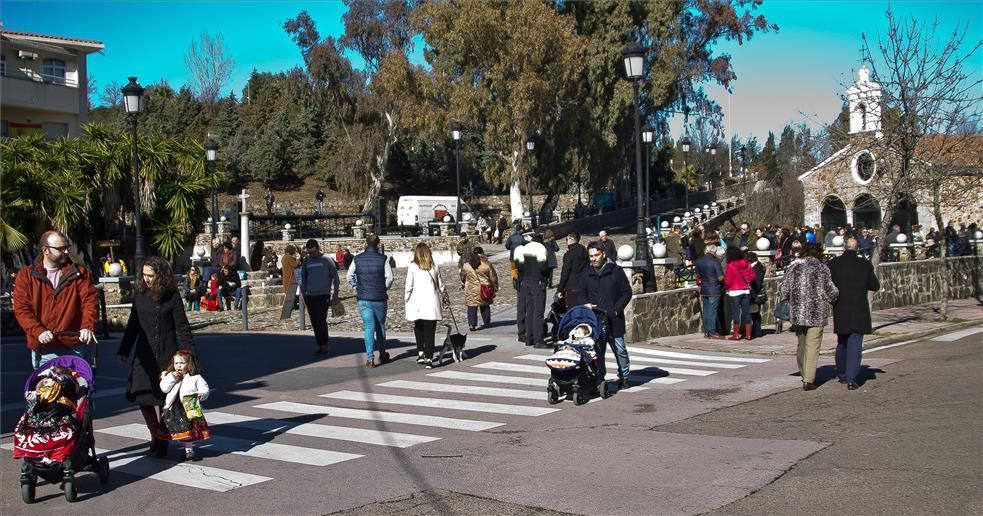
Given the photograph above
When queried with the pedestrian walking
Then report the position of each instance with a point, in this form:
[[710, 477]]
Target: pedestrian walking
[[549, 242], [853, 276], [156, 330], [194, 289], [184, 389], [607, 290], [54, 295], [808, 287], [319, 202], [574, 261], [757, 287], [531, 260], [319, 286], [465, 247], [423, 296], [480, 286], [372, 276], [500, 228], [270, 199], [288, 264], [710, 277], [737, 284]]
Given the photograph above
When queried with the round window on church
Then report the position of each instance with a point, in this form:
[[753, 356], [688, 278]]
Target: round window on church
[[864, 167]]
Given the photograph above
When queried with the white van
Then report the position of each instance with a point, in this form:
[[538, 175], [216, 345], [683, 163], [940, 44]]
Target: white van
[[418, 210]]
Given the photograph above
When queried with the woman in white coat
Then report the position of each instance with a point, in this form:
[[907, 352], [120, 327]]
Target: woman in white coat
[[424, 293]]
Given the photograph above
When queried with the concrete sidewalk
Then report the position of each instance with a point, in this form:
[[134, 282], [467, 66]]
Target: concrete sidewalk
[[890, 326]]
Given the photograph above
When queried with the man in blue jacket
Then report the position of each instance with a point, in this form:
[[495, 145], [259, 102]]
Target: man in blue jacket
[[606, 289], [371, 275]]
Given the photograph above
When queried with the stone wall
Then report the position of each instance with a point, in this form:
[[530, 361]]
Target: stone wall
[[677, 312]]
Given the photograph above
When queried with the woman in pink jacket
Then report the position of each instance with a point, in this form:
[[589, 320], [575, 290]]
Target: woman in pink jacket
[[738, 278]]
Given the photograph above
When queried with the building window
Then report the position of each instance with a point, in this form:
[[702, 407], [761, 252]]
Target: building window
[[4, 129], [53, 70], [864, 167], [3, 65], [55, 130]]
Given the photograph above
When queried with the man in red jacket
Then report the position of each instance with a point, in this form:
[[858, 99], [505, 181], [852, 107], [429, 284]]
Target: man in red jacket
[[55, 295]]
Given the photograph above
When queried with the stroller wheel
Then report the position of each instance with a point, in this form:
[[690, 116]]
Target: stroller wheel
[[28, 482], [552, 393], [70, 492], [603, 387], [102, 468], [579, 397]]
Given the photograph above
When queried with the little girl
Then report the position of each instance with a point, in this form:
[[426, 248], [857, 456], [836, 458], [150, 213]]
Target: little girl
[[211, 300], [183, 419]]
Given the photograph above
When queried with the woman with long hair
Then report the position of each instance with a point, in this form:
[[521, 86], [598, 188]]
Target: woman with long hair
[[423, 295], [738, 277], [288, 263], [478, 274], [156, 330], [808, 286], [194, 288]]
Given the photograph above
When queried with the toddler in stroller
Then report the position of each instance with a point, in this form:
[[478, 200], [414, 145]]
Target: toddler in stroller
[[573, 365], [54, 436]]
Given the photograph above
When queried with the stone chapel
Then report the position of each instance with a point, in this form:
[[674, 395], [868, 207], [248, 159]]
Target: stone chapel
[[850, 186]]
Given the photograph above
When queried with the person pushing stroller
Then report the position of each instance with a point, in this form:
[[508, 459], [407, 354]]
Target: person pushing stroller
[[606, 289]]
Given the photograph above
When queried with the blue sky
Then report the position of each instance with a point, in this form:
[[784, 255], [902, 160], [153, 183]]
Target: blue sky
[[794, 74]]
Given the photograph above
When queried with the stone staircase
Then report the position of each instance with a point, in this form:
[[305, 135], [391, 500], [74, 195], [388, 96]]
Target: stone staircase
[[264, 291]]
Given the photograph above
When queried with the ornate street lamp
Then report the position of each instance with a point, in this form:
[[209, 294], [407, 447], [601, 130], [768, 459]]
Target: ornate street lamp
[[713, 160], [530, 147], [456, 136], [684, 143], [634, 58], [132, 102], [211, 150]]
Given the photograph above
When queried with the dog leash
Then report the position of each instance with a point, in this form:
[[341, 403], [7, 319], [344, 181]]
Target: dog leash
[[449, 309]]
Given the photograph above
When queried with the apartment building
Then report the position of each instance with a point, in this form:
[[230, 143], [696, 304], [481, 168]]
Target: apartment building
[[43, 83]]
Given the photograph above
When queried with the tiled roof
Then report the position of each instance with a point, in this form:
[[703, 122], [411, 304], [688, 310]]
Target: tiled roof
[[49, 36]]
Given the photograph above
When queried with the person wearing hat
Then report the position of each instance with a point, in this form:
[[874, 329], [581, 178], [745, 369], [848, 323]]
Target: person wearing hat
[[532, 262]]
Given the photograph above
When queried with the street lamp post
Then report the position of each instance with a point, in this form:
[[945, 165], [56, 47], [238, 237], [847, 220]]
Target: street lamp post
[[713, 160], [647, 137], [634, 58], [530, 147], [744, 170], [456, 136], [132, 102], [211, 149], [684, 142]]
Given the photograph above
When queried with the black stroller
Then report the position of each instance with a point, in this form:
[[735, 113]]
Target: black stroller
[[552, 321], [574, 365], [55, 438]]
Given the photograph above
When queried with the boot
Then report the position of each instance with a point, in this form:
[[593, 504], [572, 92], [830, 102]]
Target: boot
[[736, 335], [747, 332]]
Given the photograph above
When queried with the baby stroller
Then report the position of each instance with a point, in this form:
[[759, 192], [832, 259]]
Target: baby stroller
[[573, 365], [54, 437], [552, 321]]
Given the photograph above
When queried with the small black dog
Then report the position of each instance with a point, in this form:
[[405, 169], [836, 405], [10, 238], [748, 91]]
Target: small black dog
[[453, 342]]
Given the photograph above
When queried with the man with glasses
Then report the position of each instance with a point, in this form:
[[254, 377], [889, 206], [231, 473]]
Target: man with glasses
[[52, 297], [606, 289], [319, 284]]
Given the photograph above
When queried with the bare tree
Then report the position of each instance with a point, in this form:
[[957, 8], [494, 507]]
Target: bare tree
[[112, 94], [209, 66], [932, 87]]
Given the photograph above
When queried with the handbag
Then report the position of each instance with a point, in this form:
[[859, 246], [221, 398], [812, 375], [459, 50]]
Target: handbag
[[487, 292], [337, 309], [760, 298], [174, 420], [783, 310]]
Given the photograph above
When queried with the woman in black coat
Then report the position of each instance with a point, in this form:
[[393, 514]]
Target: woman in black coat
[[156, 330]]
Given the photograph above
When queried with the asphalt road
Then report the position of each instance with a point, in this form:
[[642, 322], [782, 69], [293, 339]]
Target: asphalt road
[[697, 433]]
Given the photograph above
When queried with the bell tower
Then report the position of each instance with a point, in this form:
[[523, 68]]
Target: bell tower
[[864, 100]]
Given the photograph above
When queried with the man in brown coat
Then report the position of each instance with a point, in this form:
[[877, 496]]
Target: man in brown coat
[[52, 296]]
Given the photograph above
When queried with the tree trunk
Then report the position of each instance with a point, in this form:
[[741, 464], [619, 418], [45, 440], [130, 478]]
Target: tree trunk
[[943, 253]]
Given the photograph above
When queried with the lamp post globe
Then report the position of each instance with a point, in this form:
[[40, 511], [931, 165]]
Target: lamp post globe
[[456, 136], [647, 136], [132, 103], [211, 152]]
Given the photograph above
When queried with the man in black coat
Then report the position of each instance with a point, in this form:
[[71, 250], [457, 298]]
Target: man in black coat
[[854, 277], [574, 261], [605, 287]]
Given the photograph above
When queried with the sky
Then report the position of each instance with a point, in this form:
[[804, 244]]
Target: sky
[[793, 75]]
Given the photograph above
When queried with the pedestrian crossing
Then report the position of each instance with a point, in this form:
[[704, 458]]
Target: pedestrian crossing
[[471, 396]]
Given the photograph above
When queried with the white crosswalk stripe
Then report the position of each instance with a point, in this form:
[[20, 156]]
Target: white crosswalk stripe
[[489, 378], [342, 433], [463, 389], [693, 356], [381, 415], [262, 450], [474, 406], [543, 370], [138, 464], [634, 367]]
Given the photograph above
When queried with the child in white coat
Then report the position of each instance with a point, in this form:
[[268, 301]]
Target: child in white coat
[[185, 389]]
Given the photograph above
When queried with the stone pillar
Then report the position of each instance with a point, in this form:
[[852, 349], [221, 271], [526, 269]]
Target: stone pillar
[[244, 235], [223, 229]]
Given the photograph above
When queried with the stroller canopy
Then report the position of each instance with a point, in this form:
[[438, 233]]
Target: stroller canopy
[[577, 315], [77, 364]]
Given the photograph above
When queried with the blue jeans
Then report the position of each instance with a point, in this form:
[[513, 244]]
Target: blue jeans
[[710, 306], [81, 350], [620, 355], [740, 309], [848, 353], [374, 319]]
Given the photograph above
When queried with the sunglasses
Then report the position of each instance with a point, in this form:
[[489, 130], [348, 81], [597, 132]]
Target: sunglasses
[[63, 248]]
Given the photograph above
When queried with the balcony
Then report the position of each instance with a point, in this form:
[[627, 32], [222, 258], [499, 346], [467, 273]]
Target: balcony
[[43, 93]]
